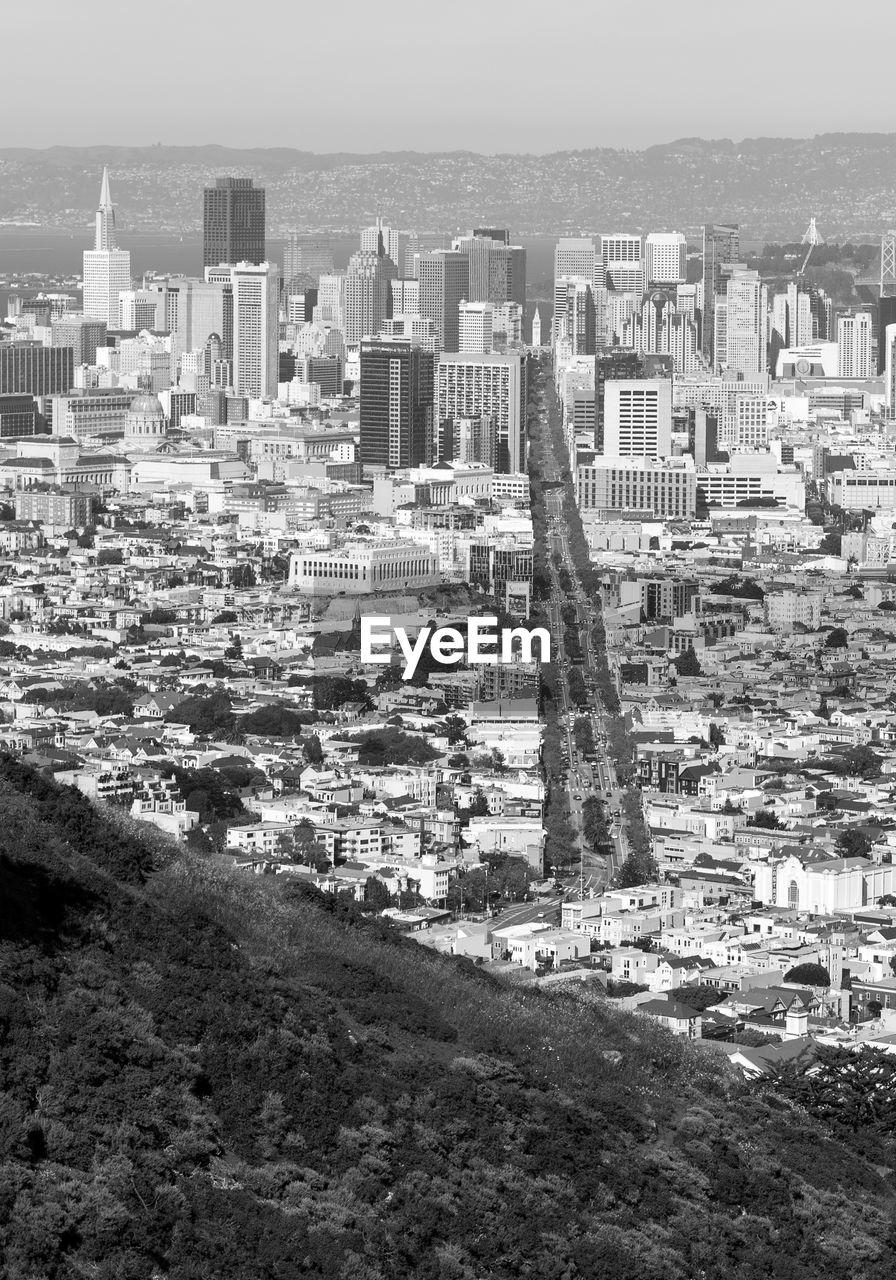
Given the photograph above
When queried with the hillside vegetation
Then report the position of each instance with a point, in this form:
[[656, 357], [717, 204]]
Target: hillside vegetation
[[209, 1076]]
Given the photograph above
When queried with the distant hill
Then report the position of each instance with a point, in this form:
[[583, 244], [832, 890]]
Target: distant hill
[[210, 1076], [770, 185]]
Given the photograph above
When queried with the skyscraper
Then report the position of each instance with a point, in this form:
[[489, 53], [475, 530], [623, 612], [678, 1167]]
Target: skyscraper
[[854, 345], [622, 263], [666, 255], [616, 365], [476, 328], [490, 385], [233, 222], [478, 250], [382, 239], [30, 368], [255, 328], [195, 309], [888, 343], [638, 418], [367, 295], [721, 244], [306, 255], [444, 283], [82, 334], [575, 258], [574, 314], [107, 269], [396, 403], [745, 331]]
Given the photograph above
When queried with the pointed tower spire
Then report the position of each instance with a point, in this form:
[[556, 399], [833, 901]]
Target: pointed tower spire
[[105, 217]]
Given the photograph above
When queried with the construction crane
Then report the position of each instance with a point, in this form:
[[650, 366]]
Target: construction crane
[[812, 237]]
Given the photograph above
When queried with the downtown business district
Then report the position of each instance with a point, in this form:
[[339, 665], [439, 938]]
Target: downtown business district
[[568, 647]]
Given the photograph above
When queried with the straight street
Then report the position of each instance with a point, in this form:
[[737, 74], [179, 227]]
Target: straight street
[[582, 778]]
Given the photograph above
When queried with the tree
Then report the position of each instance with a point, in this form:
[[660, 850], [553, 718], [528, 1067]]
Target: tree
[[830, 544], [765, 818], [234, 651], [809, 974], [376, 895], [836, 638], [307, 848], [110, 555], [312, 750], [716, 736], [698, 997], [456, 729], [687, 663], [847, 1088], [855, 843]]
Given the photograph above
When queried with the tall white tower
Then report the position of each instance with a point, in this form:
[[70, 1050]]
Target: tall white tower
[[536, 329], [476, 328], [255, 328], [107, 269]]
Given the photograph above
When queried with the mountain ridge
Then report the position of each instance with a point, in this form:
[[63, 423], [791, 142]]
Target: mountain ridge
[[770, 186]]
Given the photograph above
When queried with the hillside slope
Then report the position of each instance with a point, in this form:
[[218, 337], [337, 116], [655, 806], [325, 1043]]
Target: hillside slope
[[771, 186], [204, 1076]]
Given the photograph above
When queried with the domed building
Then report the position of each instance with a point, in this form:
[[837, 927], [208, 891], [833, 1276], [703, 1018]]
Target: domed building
[[145, 426]]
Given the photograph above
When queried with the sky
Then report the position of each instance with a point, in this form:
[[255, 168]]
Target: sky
[[523, 76]]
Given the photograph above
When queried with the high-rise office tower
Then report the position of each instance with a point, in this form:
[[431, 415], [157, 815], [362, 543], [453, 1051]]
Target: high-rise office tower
[[397, 394], [854, 345], [721, 244], [367, 295], [82, 334], [666, 258], [888, 342], [306, 255], [255, 328], [233, 222], [479, 250], [405, 296], [194, 309], [330, 308], [779, 319], [499, 234], [745, 328], [616, 365], [489, 385], [575, 313], [444, 283], [139, 309], [107, 269], [30, 368], [638, 418], [886, 316], [575, 258], [622, 263], [394, 244], [476, 327]]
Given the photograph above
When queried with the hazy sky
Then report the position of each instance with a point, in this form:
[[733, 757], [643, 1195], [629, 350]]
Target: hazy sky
[[526, 75]]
